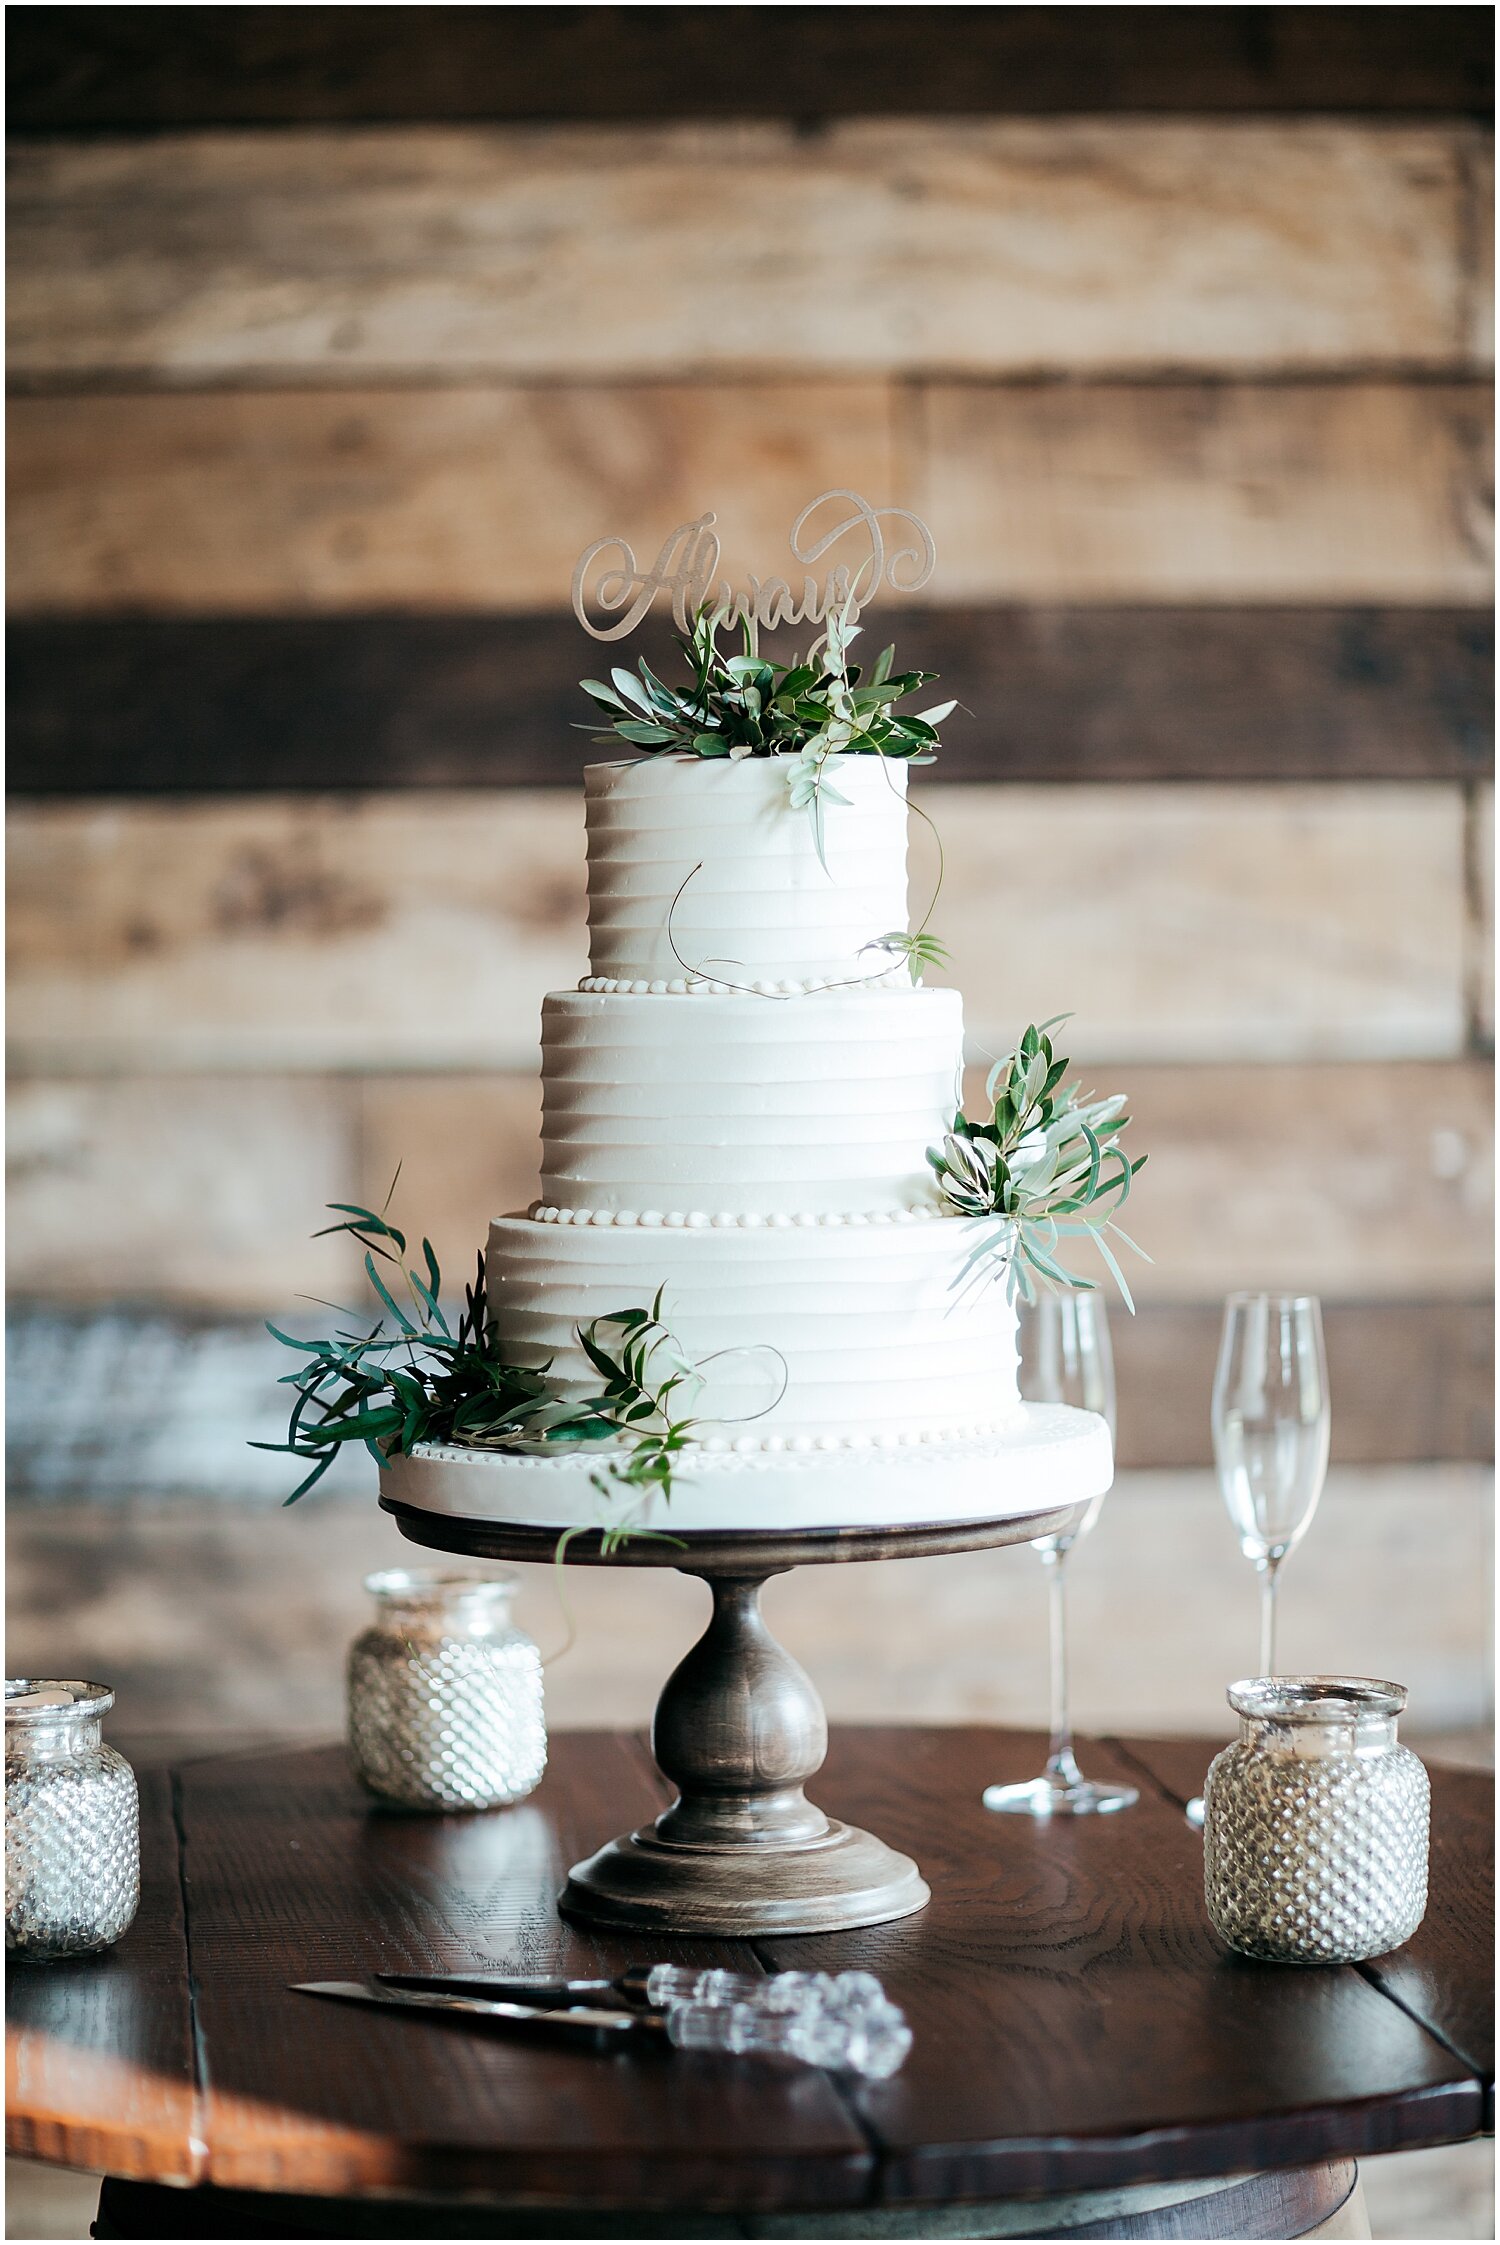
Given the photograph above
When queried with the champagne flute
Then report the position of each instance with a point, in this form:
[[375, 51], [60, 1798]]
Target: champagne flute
[[1271, 1423], [1271, 1427], [1065, 1358]]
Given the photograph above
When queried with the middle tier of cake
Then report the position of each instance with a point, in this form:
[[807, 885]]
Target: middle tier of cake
[[806, 1336], [713, 1105]]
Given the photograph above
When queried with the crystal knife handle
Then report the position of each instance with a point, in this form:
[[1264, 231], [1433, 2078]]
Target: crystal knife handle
[[874, 2045], [662, 1984], [845, 1993]]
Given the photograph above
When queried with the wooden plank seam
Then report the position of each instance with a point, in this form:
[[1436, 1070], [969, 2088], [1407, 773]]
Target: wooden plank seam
[[640, 1742], [1479, 815], [199, 2149], [1368, 1970]]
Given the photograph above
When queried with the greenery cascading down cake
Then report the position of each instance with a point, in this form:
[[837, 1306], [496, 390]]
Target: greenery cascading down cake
[[770, 1276]]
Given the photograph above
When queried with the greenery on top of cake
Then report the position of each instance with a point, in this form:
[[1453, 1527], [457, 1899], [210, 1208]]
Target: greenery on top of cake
[[810, 711], [1047, 1160], [746, 705]]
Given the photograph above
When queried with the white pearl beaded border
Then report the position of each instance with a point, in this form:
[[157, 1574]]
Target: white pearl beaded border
[[753, 1449], [754, 1445], [703, 986], [700, 1220]]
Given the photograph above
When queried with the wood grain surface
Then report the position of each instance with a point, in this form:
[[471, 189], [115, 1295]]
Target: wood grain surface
[[1105, 246], [1068, 1996], [92, 68], [99, 2051], [1414, 1380], [1077, 2026], [1228, 491], [1266, 924], [147, 705], [421, 499], [291, 1875], [1432, 1976], [1239, 1178], [746, 1557], [190, 1187], [418, 498]]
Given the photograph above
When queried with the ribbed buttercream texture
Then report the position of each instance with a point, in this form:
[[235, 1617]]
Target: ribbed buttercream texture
[[811, 1107], [820, 1332], [760, 1159], [758, 903]]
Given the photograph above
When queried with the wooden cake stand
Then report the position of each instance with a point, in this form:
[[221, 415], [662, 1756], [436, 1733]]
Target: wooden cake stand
[[739, 1729]]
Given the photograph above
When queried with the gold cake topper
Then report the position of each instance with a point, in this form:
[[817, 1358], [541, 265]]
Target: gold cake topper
[[899, 552]]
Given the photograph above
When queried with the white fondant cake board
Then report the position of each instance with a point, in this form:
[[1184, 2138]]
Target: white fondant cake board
[[1047, 1457]]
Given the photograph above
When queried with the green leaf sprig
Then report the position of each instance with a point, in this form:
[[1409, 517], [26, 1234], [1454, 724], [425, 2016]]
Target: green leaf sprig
[[917, 950], [411, 1379], [811, 710], [650, 1385], [650, 1388], [745, 705], [1048, 1161]]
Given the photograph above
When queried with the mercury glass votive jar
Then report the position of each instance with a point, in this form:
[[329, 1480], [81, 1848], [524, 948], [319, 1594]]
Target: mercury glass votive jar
[[1315, 1823], [445, 1693], [72, 1823]]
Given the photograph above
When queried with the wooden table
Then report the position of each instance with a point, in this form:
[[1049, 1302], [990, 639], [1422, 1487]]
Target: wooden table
[[1078, 2028]]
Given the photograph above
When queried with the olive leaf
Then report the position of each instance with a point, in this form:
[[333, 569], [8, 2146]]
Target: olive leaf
[[918, 950], [1047, 1162]]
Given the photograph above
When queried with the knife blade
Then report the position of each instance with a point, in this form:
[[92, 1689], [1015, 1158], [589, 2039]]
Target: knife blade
[[594, 2022], [508, 1988]]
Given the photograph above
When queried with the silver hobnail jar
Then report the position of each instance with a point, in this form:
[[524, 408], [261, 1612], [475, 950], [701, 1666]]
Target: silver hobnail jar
[[1315, 1822], [445, 1693], [72, 1823]]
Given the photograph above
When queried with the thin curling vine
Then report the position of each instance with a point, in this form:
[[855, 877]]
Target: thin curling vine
[[650, 1382], [1048, 1162], [920, 948], [916, 949]]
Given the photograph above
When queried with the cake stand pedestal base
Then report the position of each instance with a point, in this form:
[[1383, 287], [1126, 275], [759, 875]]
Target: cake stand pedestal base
[[739, 1730]]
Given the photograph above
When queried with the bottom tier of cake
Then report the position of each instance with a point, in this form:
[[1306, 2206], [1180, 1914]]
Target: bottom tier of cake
[[1048, 1456], [808, 1337]]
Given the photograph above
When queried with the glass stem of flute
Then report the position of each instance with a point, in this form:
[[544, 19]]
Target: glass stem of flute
[[1269, 1569], [1061, 1767]]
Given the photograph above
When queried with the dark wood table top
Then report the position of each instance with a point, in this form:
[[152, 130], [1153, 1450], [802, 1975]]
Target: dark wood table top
[[1077, 2024]]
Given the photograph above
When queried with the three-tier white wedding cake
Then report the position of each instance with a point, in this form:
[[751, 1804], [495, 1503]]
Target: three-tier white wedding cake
[[739, 1100]]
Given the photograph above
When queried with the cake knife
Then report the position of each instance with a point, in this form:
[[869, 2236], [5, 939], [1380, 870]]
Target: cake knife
[[876, 2048], [596, 2023], [630, 1990]]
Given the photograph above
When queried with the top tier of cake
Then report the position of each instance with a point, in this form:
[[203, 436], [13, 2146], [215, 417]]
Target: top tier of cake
[[760, 906]]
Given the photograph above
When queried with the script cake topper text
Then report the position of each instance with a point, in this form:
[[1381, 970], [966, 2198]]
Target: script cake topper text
[[894, 548]]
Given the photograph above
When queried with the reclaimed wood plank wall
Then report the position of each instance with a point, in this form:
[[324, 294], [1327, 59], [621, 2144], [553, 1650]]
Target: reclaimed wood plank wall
[[336, 334]]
